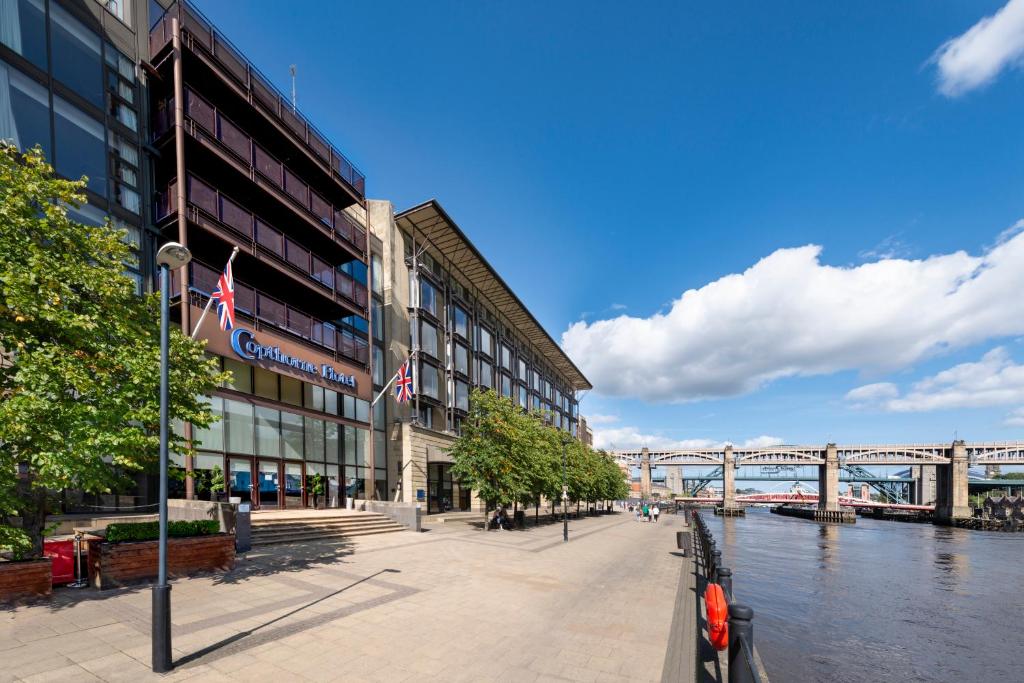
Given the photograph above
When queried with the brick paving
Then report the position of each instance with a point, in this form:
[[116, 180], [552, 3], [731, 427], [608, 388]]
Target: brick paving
[[452, 604]]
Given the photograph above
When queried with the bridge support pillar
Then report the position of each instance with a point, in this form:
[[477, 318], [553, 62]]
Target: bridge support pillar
[[828, 480], [645, 474], [951, 502], [923, 491], [729, 506]]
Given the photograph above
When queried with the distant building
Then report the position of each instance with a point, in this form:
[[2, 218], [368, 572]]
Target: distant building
[[1005, 507], [586, 434]]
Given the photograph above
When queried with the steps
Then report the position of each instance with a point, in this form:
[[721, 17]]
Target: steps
[[268, 529]]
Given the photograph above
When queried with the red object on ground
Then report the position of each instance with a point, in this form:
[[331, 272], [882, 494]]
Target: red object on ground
[[62, 555], [718, 616]]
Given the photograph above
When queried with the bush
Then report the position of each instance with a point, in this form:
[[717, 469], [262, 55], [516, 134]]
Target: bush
[[150, 531]]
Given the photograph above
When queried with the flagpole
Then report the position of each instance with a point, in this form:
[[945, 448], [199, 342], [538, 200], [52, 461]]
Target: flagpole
[[209, 303], [390, 382]]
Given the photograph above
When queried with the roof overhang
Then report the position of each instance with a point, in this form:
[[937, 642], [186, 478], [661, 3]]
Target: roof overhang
[[429, 221]]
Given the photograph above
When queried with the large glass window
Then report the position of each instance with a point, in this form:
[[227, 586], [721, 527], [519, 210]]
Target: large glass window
[[125, 181], [268, 432], [315, 439], [291, 390], [506, 357], [76, 50], [461, 323], [506, 385], [378, 366], [462, 359], [349, 446], [524, 398], [462, 396], [428, 297], [378, 319], [212, 438], [486, 374], [330, 402], [362, 410], [241, 375], [81, 145], [522, 370], [23, 29], [314, 396], [292, 432], [239, 423], [486, 345], [266, 383], [24, 111], [331, 441], [376, 274], [428, 380], [428, 338]]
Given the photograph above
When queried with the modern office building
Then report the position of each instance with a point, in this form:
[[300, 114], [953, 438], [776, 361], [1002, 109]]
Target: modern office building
[[443, 304]]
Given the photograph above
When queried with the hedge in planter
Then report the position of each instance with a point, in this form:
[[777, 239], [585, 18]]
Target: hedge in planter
[[150, 531]]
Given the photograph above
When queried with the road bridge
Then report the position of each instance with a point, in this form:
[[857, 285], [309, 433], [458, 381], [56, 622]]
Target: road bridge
[[950, 462]]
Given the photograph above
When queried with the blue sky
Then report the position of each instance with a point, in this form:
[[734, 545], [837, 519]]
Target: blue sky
[[607, 160]]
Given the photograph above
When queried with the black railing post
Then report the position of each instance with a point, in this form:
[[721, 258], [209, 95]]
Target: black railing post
[[716, 562], [725, 581], [741, 644]]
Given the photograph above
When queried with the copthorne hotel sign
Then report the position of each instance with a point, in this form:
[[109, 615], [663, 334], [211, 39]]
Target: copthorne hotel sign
[[244, 343]]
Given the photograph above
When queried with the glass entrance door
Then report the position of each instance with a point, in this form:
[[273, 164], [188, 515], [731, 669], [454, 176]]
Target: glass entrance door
[[439, 487], [240, 475], [269, 483], [293, 487]]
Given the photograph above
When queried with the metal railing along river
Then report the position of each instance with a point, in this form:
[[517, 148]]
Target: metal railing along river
[[744, 665]]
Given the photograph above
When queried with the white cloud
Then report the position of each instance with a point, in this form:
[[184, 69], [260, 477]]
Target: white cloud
[[1015, 418], [790, 315], [976, 57], [598, 419], [992, 381], [619, 438]]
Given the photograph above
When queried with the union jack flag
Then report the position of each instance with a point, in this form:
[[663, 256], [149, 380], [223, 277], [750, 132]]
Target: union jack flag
[[403, 383], [225, 297]]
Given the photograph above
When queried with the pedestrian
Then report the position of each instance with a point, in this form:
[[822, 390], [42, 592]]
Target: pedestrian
[[636, 512], [647, 512], [656, 511]]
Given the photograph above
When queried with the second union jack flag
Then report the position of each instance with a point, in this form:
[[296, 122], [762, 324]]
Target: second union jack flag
[[225, 297], [403, 383]]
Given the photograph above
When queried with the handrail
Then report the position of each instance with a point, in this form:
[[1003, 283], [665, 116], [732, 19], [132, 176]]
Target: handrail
[[258, 85], [743, 666]]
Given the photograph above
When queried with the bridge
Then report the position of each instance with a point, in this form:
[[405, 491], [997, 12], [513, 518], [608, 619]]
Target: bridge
[[948, 463], [800, 497]]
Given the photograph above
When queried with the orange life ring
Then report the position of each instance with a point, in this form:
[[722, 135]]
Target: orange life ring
[[718, 616]]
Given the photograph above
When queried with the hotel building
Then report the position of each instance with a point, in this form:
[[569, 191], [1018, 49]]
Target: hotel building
[[442, 303]]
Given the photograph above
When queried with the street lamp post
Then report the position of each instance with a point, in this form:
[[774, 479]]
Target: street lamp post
[[170, 255], [565, 496]]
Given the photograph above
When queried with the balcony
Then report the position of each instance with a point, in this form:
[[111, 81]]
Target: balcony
[[264, 311], [199, 34], [205, 122], [205, 204]]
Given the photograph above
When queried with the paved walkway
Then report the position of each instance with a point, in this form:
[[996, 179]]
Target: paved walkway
[[452, 604]]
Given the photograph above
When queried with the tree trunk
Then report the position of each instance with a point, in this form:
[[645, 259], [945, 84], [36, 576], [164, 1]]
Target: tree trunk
[[32, 509], [536, 514], [577, 509]]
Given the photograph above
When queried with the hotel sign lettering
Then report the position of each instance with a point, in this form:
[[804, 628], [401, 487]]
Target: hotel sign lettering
[[244, 343]]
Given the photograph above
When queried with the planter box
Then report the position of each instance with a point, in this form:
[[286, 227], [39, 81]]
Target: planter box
[[25, 579], [112, 565]]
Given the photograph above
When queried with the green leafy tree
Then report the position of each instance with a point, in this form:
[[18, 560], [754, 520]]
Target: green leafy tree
[[79, 377]]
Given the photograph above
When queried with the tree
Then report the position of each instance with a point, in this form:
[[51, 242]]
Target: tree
[[79, 378]]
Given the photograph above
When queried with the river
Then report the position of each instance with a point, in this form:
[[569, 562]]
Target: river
[[876, 600]]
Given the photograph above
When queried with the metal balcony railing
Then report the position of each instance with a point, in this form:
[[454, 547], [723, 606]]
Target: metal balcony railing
[[216, 127], [199, 33], [265, 310], [205, 202]]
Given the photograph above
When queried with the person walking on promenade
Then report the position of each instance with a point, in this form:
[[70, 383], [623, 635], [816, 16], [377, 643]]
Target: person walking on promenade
[[647, 512], [636, 511], [655, 511]]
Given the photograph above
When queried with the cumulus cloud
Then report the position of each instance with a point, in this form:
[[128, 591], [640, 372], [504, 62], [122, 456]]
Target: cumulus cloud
[[598, 419], [791, 315], [976, 57], [992, 381], [619, 438], [1015, 418]]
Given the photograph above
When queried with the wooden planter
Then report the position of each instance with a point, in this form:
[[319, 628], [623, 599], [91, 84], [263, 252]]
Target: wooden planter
[[25, 579], [112, 565]]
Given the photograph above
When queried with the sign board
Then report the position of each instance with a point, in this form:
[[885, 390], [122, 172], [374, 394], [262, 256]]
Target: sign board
[[420, 495], [244, 344]]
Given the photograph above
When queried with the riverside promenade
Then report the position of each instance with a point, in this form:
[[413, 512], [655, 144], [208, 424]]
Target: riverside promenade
[[453, 603]]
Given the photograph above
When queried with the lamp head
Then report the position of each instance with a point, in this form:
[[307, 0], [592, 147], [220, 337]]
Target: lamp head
[[173, 255]]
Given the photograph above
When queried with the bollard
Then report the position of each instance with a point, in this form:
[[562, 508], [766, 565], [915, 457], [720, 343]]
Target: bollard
[[680, 543], [725, 581], [716, 562], [741, 644]]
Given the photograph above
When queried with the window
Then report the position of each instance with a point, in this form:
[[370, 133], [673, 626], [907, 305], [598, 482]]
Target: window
[[362, 410], [81, 147], [377, 274], [349, 404], [428, 380], [379, 415], [212, 438], [428, 297], [292, 433], [266, 383], [380, 452], [485, 341], [241, 377], [24, 29], [486, 374], [314, 396], [378, 319], [238, 420], [76, 55], [119, 8], [522, 369], [268, 432], [330, 402], [315, 438], [462, 395], [291, 390], [461, 323], [428, 338], [124, 182], [378, 365], [25, 121], [506, 357], [524, 398], [462, 359], [426, 417], [349, 444], [506, 385]]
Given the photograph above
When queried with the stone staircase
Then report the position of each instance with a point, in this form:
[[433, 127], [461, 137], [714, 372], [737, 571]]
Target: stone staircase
[[268, 529]]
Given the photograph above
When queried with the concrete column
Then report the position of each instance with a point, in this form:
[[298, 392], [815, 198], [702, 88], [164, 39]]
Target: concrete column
[[828, 480], [951, 501], [645, 473], [923, 490], [865, 492], [729, 479]]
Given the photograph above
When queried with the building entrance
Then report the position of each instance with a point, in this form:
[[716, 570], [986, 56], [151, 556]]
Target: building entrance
[[294, 488], [444, 493], [270, 484]]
